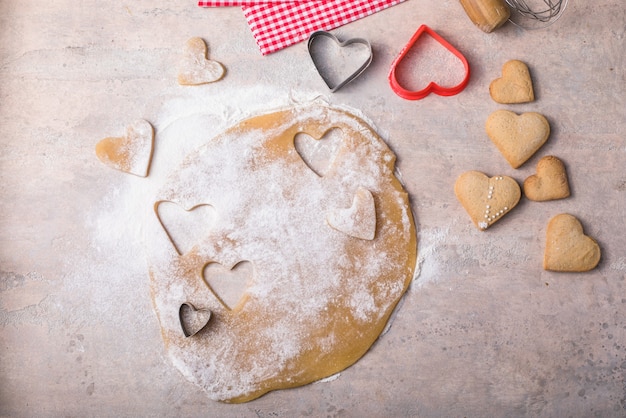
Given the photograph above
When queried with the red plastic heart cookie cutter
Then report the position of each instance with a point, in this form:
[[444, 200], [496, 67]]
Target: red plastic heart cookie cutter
[[432, 87]]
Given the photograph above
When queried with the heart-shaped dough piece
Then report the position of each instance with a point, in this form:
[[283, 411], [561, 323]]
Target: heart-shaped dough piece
[[192, 320], [567, 247], [549, 183], [131, 153], [517, 137], [515, 85], [359, 220], [486, 199], [195, 67]]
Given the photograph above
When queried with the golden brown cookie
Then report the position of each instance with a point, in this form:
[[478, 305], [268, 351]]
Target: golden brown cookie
[[567, 247], [515, 85], [517, 137], [549, 183], [486, 199]]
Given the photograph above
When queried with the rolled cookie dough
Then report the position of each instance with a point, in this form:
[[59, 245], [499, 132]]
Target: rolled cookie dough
[[319, 296]]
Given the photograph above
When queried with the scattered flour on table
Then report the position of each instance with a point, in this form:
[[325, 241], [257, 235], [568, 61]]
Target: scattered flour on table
[[116, 224], [184, 125]]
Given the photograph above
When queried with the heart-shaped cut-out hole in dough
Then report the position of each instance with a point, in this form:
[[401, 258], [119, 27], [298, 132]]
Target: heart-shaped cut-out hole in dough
[[192, 320], [517, 137], [319, 154], [229, 284], [185, 227], [486, 199], [567, 247], [359, 220], [131, 153], [549, 183], [195, 67], [515, 85], [338, 63], [428, 64]]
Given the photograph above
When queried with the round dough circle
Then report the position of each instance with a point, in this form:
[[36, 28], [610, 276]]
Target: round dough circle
[[318, 297]]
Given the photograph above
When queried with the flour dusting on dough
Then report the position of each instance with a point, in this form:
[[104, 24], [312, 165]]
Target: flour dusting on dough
[[131, 153], [319, 297], [195, 67]]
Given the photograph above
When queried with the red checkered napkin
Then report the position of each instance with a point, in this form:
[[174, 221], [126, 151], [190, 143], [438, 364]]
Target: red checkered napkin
[[220, 3], [276, 25], [227, 3]]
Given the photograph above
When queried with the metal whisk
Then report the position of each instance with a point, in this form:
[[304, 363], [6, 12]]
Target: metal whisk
[[536, 13]]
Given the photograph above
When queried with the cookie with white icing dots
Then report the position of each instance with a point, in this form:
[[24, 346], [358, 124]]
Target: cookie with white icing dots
[[319, 258], [486, 199]]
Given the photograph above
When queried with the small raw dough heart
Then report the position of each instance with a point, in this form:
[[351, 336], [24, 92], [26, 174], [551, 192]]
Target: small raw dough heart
[[567, 247], [515, 85], [131, 153], [185, 227], [193, 320], [359, 220], [319, 154], [517, 137], [549, 183], [229, 284], [195, 67], [486, 199]]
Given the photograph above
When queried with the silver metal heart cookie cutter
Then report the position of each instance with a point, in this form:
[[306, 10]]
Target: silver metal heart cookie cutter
[[187, 332], [323, 68]]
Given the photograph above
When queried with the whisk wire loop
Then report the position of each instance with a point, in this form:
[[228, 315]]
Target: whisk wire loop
[[547, 12]]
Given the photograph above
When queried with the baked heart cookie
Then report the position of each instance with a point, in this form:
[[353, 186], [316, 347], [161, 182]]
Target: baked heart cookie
[[300, 271], [549, 183], [131, 153], [486, 199], [567, 247], [517, 137], [195, 67], [515, 85]]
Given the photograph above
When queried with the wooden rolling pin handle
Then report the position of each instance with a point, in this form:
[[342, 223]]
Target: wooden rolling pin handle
[[486, 14]]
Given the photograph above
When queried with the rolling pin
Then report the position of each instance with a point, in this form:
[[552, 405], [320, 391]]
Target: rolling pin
[[486, 14]]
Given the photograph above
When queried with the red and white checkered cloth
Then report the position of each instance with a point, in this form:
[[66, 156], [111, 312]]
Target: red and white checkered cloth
[[278, 24]]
